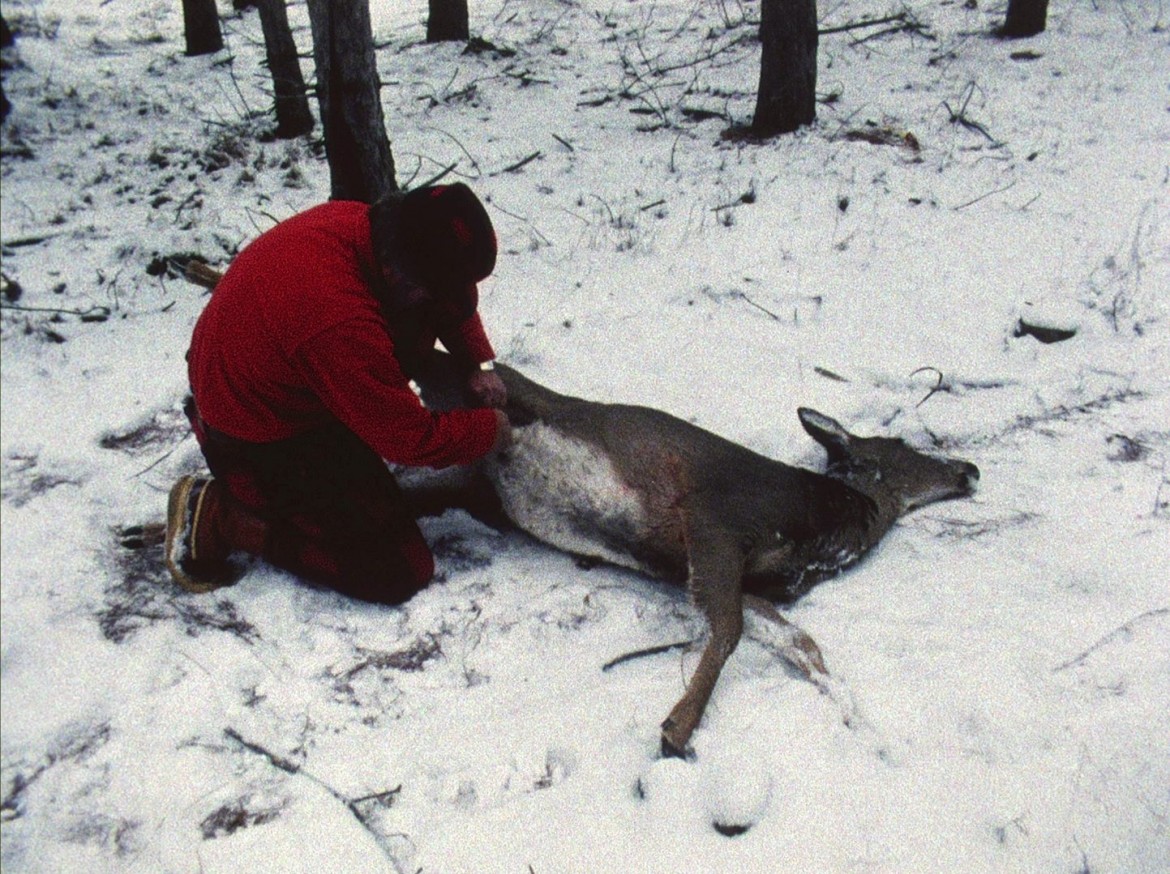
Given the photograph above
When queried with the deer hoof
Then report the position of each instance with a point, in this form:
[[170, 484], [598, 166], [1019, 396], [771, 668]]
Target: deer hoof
[[671, 749]]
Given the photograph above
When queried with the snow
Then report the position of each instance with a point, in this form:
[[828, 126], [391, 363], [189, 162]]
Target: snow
[[1007, 656]]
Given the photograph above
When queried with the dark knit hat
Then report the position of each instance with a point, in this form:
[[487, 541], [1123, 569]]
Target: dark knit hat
[[445, 238]]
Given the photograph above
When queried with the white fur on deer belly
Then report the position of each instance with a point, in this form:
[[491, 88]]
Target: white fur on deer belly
[[566, 492]]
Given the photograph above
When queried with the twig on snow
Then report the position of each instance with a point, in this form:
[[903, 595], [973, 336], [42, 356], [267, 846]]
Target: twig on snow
[[1122, 632], [857, 25], [988, 194], [937, 386], [290, 767], [159, 460], [961, 117], [828, 374], [34, 240], [93, 314], [543, 239], [442, 173], [642, 653], [462, 148], [743, 296], [511, 168]]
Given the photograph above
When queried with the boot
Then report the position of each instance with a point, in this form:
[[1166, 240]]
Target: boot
[[196, 550]]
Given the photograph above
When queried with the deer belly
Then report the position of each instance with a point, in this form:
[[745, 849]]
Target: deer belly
[[566, 492]]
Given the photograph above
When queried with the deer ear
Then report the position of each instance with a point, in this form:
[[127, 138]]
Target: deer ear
[[826, 431]]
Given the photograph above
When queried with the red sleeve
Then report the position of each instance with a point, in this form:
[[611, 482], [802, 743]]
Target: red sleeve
[[352, 369], [468, 341]]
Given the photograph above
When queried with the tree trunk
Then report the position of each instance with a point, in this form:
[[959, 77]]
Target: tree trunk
[[293, 117], [1025, 18], [788, 67], [447, 21], [201, 26], [6, 40], [361, 166]]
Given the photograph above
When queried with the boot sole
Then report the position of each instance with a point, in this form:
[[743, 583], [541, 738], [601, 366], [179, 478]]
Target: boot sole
[[176, 510]]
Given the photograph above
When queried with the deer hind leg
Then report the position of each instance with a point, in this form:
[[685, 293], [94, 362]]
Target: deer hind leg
[[716, 568], [795, 645], [797, 648]]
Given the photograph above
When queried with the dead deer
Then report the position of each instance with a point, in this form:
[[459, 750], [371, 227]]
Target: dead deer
[[640, 488]]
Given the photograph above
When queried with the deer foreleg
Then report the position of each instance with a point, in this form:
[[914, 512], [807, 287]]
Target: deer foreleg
[[716, 567], [686, 714]]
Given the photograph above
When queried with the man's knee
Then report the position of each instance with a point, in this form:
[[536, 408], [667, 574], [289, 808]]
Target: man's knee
[[388, 575]]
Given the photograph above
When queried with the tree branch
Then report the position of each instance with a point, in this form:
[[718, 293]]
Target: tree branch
[[1122, 632], [292, 768], [857, 25], [642, 653]]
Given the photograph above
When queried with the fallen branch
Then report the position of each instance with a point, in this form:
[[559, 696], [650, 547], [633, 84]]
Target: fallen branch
[[937, 386], [1122, 632], [511, 168], [292, 768], [278, 762], [828, 374], [441, 174], [29, 241], [747, 198], [742, 296], [857, 25], [158, 460], [975, 200], [461, 147], [642, 653], [93, 314], [960, 117]]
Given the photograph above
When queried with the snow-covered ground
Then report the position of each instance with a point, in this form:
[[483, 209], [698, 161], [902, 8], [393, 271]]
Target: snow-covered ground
[[1009, 654]]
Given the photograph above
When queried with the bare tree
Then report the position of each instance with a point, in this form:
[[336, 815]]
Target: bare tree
[[447, 21], [7, 40], [201, 27], [293, 117], [1025, 18], [361, 166], [788, 67]]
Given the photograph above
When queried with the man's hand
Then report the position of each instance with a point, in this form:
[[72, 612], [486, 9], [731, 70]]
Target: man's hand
[[487, 389]]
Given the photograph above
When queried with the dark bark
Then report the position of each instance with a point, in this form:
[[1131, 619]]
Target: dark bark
[[447, 21], [293, 117], [6, 40], [788, 67], [361, 166], [201, 27], [1025, 18]]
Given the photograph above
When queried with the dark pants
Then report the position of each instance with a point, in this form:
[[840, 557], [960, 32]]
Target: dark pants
[[332, 512]]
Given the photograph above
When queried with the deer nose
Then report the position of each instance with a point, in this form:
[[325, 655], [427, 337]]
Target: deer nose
[[970, 476]]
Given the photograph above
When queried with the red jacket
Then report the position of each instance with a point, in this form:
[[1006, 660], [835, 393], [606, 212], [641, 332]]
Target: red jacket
[[294, 339]]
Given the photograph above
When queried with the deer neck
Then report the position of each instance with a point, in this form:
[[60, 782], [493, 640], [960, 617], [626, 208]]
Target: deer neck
[[887, 506]]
